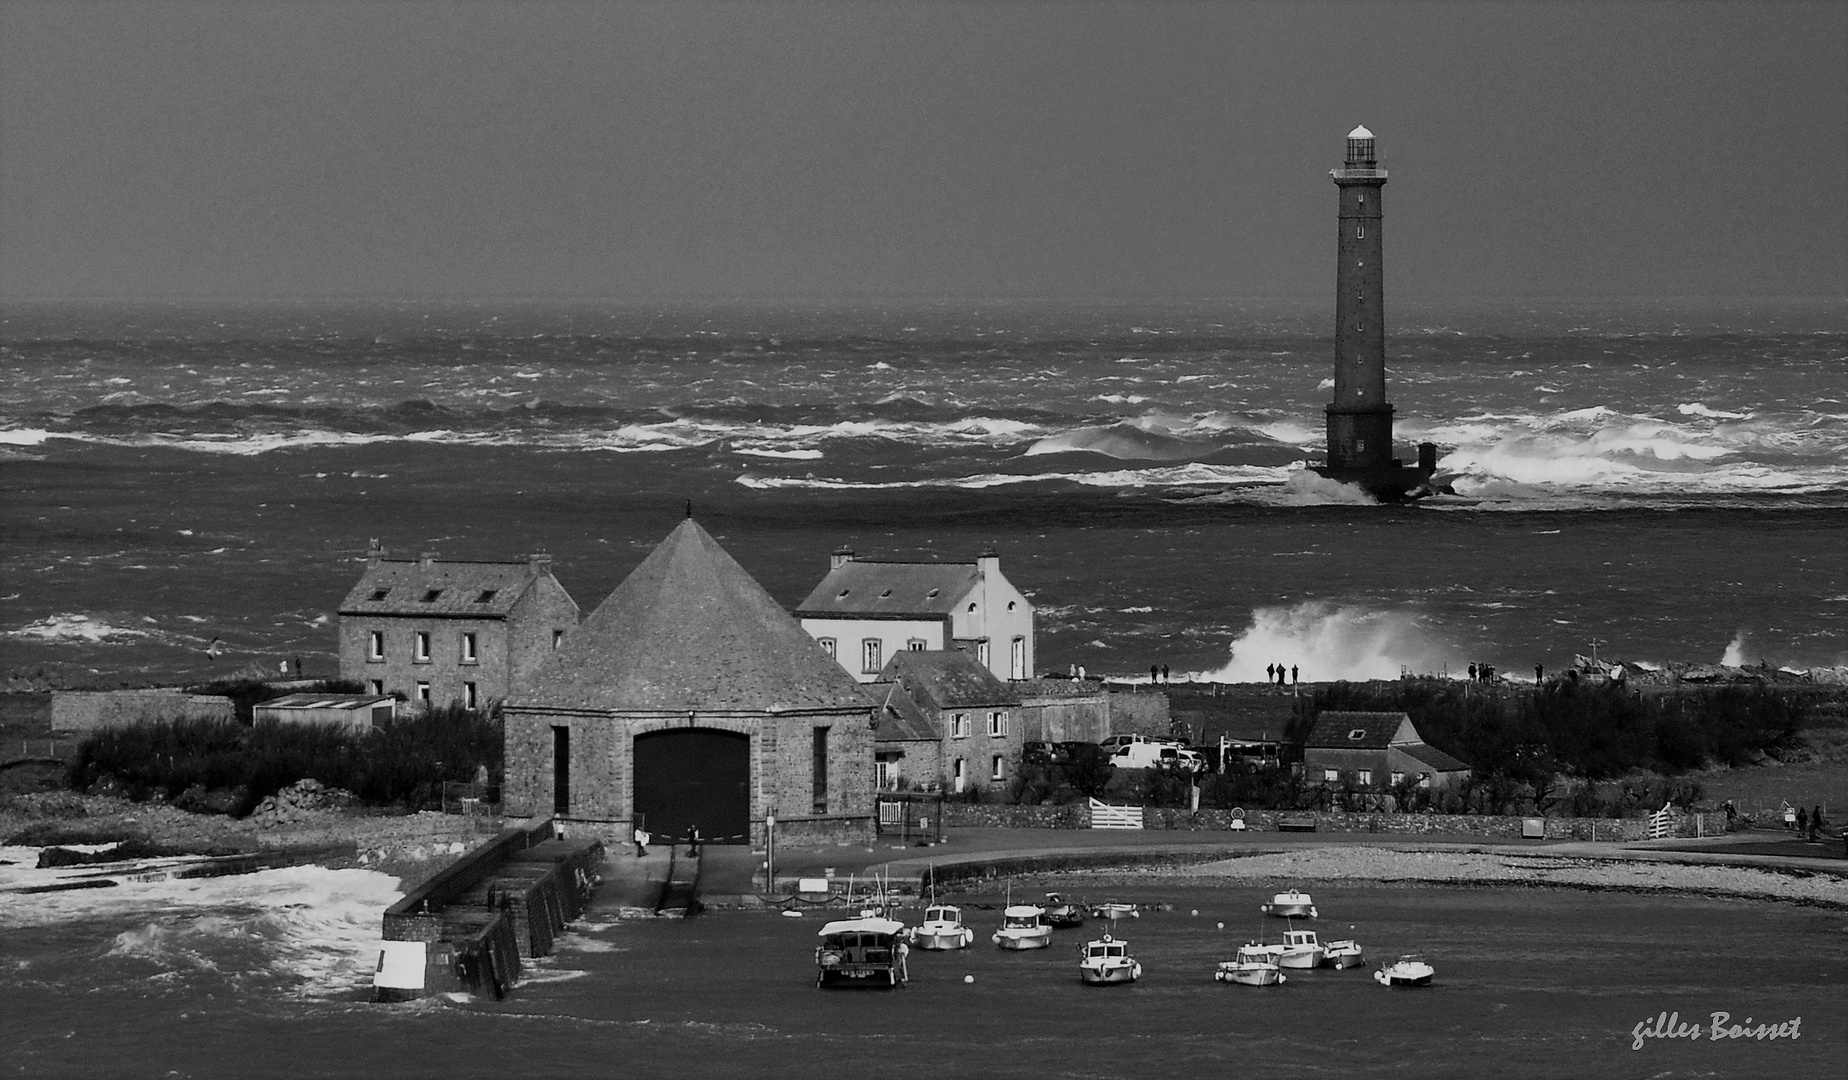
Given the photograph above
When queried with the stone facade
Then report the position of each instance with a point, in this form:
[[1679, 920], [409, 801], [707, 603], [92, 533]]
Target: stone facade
[[87, 710], [1077, 816]]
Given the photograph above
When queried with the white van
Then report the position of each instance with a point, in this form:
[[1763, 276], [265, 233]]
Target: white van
[[1147, 755]]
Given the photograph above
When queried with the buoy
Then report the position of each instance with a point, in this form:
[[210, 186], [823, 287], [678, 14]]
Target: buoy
[[968, 978], [1222, 926], [1195, 913], [792, 914]]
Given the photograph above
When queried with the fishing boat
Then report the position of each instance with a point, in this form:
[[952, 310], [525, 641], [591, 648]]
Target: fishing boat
[[1407, 970], [1023, 927], [1301, 950], [1293, 905], [1255, 964], [1342, 954], [1061, 913], [941, 929], [863, 951], [1106, 962], [1110, 909]]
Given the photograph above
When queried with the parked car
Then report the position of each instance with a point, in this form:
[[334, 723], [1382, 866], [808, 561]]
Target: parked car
[[1148, 755]]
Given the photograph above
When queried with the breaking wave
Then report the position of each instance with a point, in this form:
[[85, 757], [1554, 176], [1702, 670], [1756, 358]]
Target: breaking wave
[[1326, 642]]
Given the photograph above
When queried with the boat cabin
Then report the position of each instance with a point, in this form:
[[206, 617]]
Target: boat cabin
[[1106, 949], [1025, 917], [943, 913], [866, 948], [1300, 939]]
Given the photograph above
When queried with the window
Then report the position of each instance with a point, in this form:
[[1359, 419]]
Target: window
[[997, 771], [558, 638], [1424, 780], [827, 645], [1331, 776], [869, 655], [469, 654], [1017, 659], [959, 726], [1366, 778], [885, 775], [821, 770], [486, 596], [375, 645], [916, 644], [380, 594], [971, 605], [1360, 231], [956, 776], [997, 724], [420, 650], [1397, 778], [376, 688], [1011, 605], [471, 699], [1357, 733], [423, 693], [431, 596], [981, 652]]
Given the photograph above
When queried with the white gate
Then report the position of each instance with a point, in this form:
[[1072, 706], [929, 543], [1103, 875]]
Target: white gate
[[1106, 816], [1661, 824]]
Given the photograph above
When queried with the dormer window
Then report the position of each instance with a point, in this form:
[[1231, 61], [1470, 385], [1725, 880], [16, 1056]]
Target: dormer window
[[972, 606], [380, 594], [885, 594], [486, 596], [1358, 733], [430, 597], [843, 594], [932, 595], [1010, 605]]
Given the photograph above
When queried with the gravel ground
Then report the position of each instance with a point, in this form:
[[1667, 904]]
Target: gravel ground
[[1345, 863]]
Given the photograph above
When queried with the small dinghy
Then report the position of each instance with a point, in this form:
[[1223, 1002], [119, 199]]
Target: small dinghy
[[1342, 954], [1061, 913], [1408, 970]]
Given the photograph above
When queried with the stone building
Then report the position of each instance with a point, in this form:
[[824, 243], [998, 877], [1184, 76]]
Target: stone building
[[865, 612], [1374, 751], [945, 723], [465, 633], [688, 698]]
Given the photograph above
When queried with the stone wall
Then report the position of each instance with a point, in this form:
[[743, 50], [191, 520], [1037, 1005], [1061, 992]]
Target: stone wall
[[1077, 816], [1142, 712], [87, 710]]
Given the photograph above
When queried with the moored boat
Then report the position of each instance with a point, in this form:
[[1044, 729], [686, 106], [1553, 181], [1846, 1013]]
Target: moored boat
[[1407, 970], [1061, 913], [941, 929], [1342, 954], [1022, 927], [1110, 909], [1106, 962], [865, 951], [1294, 904], [1255, 964], [1301, 950]]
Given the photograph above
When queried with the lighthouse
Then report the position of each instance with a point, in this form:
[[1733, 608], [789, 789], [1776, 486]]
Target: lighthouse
[[1360, 417]]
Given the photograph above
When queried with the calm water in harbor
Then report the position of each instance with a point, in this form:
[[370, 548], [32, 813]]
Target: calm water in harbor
[[1530, 982]]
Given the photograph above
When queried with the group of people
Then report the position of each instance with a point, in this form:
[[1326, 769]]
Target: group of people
[[1277, 673], [643, 838], [1158, 673], [1810, 823], [1486, 672]]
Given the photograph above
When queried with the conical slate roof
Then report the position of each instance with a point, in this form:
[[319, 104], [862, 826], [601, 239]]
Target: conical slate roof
[[690, 630]]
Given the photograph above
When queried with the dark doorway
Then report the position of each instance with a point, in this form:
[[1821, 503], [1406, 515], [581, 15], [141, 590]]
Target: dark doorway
[[694, 777], [561, 771]]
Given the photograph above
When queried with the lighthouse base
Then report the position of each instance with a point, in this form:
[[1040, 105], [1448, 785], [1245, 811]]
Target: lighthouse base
[[1387, 483]]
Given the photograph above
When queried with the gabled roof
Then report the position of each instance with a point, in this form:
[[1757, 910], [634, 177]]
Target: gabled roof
[[1361, 731], [890, 588], [690, 630], [949, 679], [1433, 757], [459, 587], [900, 718]]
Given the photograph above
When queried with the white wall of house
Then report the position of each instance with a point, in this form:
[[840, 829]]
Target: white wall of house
[[850, 638], [996, 611]]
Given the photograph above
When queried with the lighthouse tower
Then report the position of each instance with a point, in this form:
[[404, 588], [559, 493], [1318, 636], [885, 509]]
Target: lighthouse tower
[[1360, 417]]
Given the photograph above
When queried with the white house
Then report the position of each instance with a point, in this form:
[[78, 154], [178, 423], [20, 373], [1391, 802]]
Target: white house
[[865, 611]]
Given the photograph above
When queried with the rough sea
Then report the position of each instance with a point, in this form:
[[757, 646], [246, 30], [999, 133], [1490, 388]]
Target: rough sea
[[1668, 481]]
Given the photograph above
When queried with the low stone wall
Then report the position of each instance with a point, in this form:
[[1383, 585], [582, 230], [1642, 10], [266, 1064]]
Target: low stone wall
[[1077, 816], [87, 710]]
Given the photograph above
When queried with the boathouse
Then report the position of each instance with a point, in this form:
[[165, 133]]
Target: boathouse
[[865, 612], [690, 698]]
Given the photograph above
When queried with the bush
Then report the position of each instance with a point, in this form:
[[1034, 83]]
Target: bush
[[401, 762]]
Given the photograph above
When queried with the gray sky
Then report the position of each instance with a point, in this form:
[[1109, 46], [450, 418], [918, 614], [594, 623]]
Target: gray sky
[[860, 150]]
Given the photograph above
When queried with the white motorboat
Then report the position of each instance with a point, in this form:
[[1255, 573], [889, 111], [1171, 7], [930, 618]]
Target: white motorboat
[[1023, 927], [1408, 970], [866, 951], [1106, 962], [1301, 950], [1254, 964], [1342, 954], [1110, 909], [1293, 904], [941, 929]]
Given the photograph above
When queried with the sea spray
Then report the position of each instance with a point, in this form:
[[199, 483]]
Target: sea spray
[[1325, 642]]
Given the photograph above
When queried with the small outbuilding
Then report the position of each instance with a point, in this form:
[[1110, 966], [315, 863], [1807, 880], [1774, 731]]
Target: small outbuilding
[[1375, 751], [356, 712]]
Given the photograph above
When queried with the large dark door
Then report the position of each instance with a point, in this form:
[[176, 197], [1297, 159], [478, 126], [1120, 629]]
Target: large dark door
[[694, 777]]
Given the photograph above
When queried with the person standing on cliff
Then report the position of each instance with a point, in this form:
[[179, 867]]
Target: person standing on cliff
[[1293, 679], [1802, 822], [1815, 823], [1270, 673]]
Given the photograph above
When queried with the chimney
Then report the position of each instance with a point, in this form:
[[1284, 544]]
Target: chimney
[[539, 564], [426, 560], [988, 563], [375, 553], [841, 557]]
